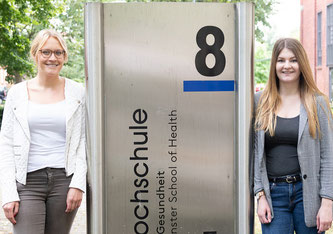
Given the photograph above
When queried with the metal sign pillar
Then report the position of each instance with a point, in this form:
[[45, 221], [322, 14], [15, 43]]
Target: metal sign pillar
[[169, 102]]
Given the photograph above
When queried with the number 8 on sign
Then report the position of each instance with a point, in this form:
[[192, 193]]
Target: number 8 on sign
[[215, 49]]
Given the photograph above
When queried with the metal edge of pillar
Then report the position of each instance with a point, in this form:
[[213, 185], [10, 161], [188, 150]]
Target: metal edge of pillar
[[94, 59], [244, 97]]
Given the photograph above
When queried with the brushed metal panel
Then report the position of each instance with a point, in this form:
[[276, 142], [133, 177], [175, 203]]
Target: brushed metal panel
[[95, 119], [244, 94], [149, 52]]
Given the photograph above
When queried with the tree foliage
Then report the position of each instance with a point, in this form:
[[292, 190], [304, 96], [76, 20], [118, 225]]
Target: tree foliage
[[262, 64], [71, 24], [19, 21]]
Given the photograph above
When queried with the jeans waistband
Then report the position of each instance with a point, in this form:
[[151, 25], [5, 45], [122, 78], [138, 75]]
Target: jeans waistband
[[47, 169], [286, 179]]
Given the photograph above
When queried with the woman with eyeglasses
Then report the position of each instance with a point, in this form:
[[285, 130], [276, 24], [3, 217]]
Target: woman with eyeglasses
[[42, 144], [293, 173]]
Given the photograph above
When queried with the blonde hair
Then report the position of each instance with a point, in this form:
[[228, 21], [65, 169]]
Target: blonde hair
[[40, 40], [270, 99]]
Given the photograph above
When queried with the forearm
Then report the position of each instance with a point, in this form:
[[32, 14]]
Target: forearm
[[326, 202]]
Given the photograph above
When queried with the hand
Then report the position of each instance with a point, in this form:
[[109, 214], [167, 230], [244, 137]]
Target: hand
[[74, 199], [324, 216], [11, 209], [264, 211]]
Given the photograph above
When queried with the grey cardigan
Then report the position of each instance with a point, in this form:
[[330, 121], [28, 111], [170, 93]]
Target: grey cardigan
[[315, 157]]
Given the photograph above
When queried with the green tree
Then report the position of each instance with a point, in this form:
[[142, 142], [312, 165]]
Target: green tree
[[71, 23], [19, 21], [262, 64]]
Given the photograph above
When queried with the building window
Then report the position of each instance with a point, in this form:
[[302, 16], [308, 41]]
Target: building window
[[330, 35], [319, 51]]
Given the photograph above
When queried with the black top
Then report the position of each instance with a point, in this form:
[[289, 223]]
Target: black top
[[281, 149]]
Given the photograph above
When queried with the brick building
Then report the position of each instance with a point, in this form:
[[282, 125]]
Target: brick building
[[317, 39]]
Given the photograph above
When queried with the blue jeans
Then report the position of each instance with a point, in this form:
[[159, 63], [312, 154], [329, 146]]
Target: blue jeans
[[287, 201]]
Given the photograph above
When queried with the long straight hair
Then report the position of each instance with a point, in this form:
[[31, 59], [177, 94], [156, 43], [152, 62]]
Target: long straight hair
[[270, 99]]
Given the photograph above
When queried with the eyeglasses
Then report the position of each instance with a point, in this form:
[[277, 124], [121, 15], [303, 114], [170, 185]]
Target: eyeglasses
[[57, 53]]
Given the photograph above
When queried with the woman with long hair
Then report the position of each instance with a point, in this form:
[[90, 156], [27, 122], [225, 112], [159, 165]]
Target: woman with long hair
[[293, 173], [42, 144]]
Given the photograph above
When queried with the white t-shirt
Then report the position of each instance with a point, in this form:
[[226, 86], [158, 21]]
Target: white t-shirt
[[47, 124]]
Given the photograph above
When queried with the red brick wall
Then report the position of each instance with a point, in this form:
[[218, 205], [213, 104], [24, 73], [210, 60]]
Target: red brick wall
[[308, 37], [310, 9]]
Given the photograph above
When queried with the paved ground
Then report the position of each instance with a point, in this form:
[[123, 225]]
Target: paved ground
[[79, 225]]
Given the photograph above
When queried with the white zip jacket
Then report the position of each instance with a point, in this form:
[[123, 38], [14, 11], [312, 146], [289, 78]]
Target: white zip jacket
[[15, 139]]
